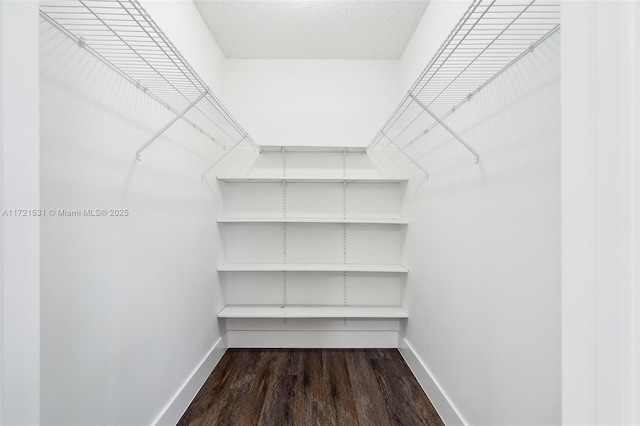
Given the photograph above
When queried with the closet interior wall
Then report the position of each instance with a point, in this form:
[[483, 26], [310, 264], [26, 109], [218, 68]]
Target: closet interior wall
[[309, 102], [128, 302], [19, 235], [484, 252]]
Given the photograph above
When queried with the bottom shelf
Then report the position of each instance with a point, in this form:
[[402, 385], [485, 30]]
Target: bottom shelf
[[311, 311]]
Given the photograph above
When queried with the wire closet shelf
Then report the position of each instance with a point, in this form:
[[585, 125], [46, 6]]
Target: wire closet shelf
[[491, 36], [123, 35]]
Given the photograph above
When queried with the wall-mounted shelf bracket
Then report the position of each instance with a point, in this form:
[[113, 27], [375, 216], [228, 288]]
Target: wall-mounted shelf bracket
[[222, 158], [170, 123], [426, 174], [445, 126]]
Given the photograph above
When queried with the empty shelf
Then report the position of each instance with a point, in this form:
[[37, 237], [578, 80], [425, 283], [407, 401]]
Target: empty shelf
[[310, 267], [315, 311], [294, 148], [310, 179], [312, 220]]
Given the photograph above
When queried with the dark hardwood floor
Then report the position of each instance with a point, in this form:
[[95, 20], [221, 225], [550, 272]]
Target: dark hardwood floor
[[342, 387]]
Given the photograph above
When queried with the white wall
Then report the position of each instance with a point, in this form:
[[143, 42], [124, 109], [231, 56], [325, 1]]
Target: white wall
[[19, 189], [312, 102], [128, 303], [483, 290], [331, 102]]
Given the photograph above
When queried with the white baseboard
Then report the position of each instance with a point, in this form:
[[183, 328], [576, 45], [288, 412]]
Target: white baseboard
[[312, 339], [180, 401], [447, 411]]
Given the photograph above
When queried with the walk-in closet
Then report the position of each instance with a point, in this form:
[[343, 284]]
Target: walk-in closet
[[319, 212]]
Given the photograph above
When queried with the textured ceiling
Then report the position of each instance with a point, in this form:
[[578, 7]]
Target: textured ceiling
[[312, 29]]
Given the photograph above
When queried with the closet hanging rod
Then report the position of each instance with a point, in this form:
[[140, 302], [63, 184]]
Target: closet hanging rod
[[170, 123], [402, 151], [482, 86], [122, 35], [490, 37], [122, 74], [446, 127]]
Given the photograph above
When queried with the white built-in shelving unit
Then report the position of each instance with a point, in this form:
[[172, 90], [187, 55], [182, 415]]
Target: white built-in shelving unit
[[313, 242]]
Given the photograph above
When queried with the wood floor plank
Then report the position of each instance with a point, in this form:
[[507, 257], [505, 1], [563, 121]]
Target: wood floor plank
[[278, 401], [305, 387], [215, 392], [370, 403], [256, 394], [400, 392], [338, 386], [311, 406]]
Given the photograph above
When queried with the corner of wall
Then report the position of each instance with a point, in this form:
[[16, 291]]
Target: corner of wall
[[440, 400], [175, 408]]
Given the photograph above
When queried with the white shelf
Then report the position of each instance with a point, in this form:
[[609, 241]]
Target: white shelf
[[311, 267], [294, 148], [309, 179], [312, 220], [315, 311]]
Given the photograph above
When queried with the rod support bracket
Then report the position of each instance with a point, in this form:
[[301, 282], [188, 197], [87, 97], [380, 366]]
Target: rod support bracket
[[446, 127], [222, 157], [426, 174], [171, 122]]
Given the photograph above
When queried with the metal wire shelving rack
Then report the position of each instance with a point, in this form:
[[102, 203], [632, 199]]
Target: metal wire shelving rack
[[491, 36], [123, 35]]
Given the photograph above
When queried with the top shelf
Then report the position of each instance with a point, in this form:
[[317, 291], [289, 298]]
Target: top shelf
[[311, 148], [309, 179]]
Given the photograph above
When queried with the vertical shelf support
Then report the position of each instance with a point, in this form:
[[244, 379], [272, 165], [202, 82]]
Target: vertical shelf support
[[284, 227], [344, 229], [426, 174], [445, 126], [170, 123]]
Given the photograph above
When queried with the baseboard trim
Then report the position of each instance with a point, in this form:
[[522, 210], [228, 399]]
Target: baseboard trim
[[443, 405], [312, 339], [180, 401]]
